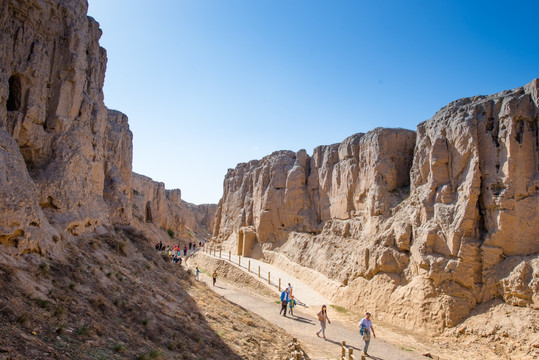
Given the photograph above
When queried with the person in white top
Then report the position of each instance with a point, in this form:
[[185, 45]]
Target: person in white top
[[289, 289]]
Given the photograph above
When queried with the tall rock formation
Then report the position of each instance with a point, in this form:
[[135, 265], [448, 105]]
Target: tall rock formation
[[51, 76], [65, 159], [433, 229], [286, 191], [155, 209]]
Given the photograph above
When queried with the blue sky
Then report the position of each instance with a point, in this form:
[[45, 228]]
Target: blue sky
[[208, 84]]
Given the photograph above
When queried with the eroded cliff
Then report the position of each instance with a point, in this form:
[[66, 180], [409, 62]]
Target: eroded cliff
[[418, 228], [66, 158], [156, 209]]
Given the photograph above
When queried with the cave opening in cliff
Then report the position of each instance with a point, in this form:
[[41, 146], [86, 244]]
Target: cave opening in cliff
[[15, 94], [149, 217], [240, 243]]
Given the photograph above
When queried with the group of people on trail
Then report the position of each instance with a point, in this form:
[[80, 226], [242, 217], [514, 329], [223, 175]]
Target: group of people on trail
[[175, 252], [287, 301]]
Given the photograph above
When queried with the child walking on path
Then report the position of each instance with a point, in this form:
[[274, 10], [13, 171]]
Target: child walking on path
[[197, 273], [322, 317], [291, 304], [214, 276]]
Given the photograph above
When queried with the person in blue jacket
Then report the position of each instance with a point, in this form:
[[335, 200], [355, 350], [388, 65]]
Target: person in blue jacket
[[284, 302]]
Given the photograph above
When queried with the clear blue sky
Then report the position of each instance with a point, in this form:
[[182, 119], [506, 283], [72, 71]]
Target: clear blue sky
[[208, 84]]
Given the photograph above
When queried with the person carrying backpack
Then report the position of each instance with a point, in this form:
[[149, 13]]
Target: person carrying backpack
[[284, 302], [365, 328]]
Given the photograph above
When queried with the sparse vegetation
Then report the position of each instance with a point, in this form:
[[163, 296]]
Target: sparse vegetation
[[82, 331], [113, 315], [43, 303], [44, 269], [59, 311], [339, 308], [119, 348], [170, 233]]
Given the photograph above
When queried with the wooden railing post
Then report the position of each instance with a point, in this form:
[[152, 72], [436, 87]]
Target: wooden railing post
[[229, 254], [239, 260], [351, 354], [343, 350], [249, 266], [279, 284], [269, 275], [258, 270], [219, 253]]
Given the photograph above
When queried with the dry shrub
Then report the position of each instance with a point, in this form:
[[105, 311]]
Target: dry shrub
[[99, 302]]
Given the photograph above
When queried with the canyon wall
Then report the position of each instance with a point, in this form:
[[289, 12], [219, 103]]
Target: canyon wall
[[65, 158], [289, 191], [419, 228], [156, 208]]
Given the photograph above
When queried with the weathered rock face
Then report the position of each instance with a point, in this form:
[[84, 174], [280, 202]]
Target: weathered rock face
[[475, 179], [156, 208], [52, 72], [66, 160], [22, 222], [285, 192], [464, 232]]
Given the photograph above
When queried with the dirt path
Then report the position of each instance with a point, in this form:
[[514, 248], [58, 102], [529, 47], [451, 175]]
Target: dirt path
[[304, 325]]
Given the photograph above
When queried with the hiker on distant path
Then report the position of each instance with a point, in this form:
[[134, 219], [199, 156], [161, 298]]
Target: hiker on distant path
[[185, 250], [214, 276], [365, 328], [291, 304], [284, 302], [289, 289], [322, 317], [196, 274]]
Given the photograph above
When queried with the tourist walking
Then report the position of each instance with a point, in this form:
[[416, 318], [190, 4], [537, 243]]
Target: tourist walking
[[322, 318], [214, 277], [284, 302], [291, 304], [365, 328], [289, 289], [197, 273]]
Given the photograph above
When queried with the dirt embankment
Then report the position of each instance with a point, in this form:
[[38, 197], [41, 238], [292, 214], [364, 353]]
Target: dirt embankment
[[115, 297], [231, 274]]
